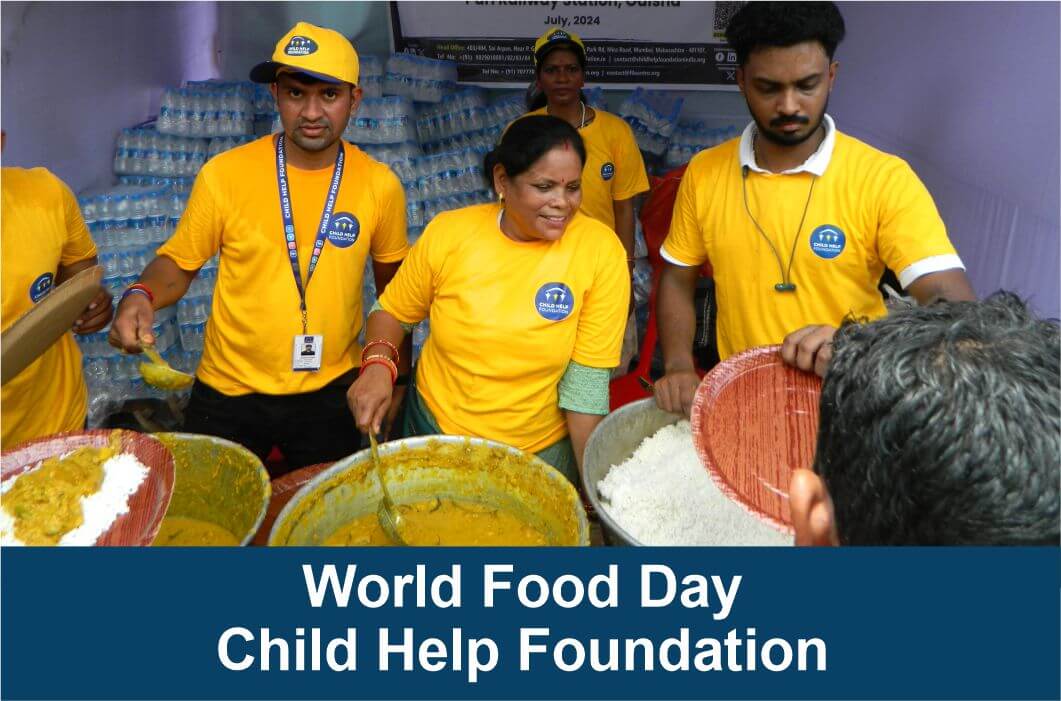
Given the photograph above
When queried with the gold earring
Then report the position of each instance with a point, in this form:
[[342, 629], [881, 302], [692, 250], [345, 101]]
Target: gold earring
[[500, 197]]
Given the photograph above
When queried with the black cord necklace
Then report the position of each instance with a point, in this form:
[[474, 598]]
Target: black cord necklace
[[786, 284]]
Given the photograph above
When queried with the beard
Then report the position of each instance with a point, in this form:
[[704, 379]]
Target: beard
[[780, 138]]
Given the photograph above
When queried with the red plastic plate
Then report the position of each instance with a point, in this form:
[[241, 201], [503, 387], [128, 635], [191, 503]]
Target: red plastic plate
[[147, 506], [754, 420]]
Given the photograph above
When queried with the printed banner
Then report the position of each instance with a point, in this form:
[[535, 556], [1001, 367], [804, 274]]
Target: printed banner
[[522, 623], [628, 44]]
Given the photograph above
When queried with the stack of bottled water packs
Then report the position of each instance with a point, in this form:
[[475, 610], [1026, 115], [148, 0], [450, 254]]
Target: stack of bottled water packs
[[208, 109], [690, 138], [653, 116], [143, 150], [371, 76], [419, 78], [128, 222]]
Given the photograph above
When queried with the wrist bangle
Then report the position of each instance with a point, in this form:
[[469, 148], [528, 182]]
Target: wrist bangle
[[382, 360], [145, 288], [137, 291], [380, 342]]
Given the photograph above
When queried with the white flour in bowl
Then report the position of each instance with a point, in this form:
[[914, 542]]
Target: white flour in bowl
[[662, 495], [122, 476]]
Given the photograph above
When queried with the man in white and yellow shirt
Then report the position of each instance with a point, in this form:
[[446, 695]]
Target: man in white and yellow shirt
[[45, 242], [798, 220], [294, 217]]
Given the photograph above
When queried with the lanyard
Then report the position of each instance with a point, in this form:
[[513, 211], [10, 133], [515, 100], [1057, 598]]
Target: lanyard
[[289, 223]]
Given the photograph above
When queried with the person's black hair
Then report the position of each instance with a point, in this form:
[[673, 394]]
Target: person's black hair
[[526, 140], [307, 79], [781, 24], [941, 425]]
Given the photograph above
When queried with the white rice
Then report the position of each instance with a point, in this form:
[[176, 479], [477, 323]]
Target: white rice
[[122, 476], [662, 495]]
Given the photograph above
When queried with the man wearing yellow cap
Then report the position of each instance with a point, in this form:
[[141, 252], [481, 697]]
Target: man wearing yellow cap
[[294, 217]]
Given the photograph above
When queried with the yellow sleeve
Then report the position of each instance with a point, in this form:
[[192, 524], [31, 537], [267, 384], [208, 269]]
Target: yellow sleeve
[[390, 243], [78, 244], [909, 228], [602, 320], [198, 235], [630, 176], [685, 240], [408, 295]]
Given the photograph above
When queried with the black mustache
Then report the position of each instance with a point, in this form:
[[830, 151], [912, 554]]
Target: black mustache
[[784, 121]]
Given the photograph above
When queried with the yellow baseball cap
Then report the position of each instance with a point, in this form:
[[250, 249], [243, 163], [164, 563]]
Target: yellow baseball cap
[[322, 53], [557, 38]]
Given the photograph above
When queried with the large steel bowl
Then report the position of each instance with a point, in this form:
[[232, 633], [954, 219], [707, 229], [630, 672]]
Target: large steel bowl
[[219, 482], [613, 441], [420, 468]]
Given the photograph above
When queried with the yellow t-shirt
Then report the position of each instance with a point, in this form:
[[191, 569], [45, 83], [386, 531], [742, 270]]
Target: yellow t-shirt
[[506, 320], [235, 208], [867, 211], [614, 168], [41, 228]]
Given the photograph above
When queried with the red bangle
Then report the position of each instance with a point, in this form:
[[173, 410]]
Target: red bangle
[[142, 288], [382, 360], [380, 342]]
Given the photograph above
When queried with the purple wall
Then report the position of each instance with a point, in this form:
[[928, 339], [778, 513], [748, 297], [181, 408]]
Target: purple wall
[[968, 94], [74, 74]]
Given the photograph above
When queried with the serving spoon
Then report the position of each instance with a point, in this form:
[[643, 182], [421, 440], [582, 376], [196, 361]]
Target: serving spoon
[[387, 513], [158, 373]]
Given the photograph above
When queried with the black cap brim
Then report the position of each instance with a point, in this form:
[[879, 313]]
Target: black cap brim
[[560, 44], [265, 72]]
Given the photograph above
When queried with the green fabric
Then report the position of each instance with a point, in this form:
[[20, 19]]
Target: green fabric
[[584, 389], [408, 328], [417, 420]]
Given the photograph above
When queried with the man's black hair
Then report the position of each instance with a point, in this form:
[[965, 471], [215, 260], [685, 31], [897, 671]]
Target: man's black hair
[[780, 24], [941, 425]]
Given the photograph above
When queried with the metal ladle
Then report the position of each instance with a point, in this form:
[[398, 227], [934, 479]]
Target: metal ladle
[[387, 513], [158, 373]]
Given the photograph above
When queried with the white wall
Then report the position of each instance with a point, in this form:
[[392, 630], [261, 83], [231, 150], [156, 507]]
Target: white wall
[[74, 74]]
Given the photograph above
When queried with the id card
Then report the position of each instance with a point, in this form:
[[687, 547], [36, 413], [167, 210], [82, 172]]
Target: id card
[[307, 352]]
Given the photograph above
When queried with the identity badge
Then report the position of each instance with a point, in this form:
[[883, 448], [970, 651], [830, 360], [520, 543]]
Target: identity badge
[[307, 352]]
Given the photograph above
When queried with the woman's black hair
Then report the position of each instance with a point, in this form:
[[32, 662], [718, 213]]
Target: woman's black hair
[[526, 140]]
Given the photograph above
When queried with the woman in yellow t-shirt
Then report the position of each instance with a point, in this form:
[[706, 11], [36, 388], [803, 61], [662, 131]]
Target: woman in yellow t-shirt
[[615, 171], [527, 300]]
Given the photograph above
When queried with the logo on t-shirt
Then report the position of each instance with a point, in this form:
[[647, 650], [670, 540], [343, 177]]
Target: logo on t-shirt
[[827, 241], [607, 171], [554, 301], [40, 287], [343, 230], [300, 46]]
